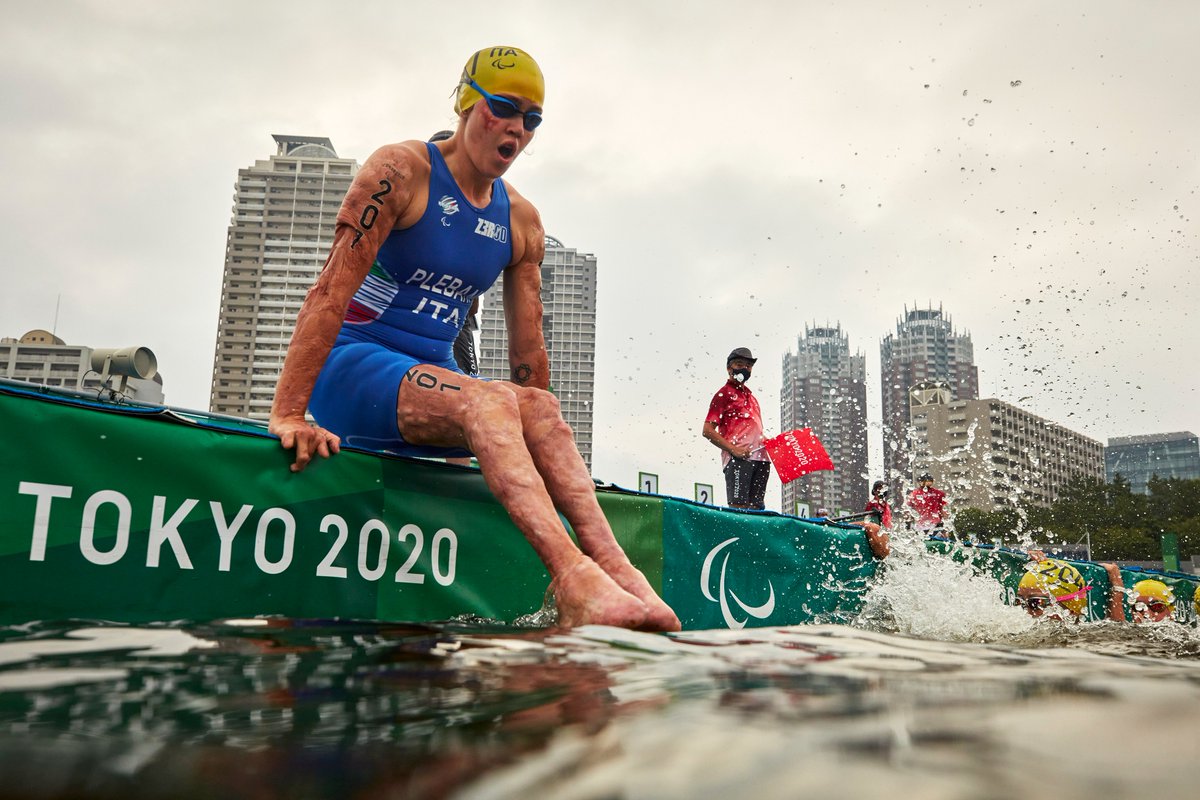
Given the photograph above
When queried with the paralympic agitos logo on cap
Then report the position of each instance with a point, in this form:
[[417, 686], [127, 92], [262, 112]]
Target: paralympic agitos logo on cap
[[502, 53]]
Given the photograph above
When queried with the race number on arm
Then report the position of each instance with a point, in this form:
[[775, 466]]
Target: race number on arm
[[523, 297], [383, 196]]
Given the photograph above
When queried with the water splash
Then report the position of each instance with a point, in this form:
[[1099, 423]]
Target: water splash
[[918, 593]]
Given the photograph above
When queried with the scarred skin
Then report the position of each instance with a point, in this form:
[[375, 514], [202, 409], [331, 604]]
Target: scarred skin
[[526, 452]]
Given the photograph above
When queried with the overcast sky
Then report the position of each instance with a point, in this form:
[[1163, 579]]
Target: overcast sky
[[739, 170]]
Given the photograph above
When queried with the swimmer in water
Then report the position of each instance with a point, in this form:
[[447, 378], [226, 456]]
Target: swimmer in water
[[1051, 587], [1151, 601]]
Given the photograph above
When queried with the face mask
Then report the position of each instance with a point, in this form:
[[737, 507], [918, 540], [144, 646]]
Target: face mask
[[741, 375]]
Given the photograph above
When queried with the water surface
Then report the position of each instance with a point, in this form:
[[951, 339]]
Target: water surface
[[937, 690]]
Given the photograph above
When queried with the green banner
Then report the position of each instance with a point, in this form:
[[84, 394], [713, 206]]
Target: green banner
[[135, 514], [728, 569]]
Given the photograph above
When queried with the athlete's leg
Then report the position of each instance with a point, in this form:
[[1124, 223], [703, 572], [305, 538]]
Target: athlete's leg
[[437, 407], [552, 446]]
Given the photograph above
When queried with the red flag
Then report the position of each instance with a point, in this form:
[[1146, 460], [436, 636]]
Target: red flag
[[797, 453]]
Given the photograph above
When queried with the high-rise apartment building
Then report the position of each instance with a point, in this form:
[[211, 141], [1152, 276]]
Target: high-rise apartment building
[[569, 323], [924, 349], [41, 357], [1139, 458], [988, 454], [284, 214], [824, 388]]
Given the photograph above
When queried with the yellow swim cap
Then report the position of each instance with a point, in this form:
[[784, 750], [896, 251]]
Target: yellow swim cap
[[1060, 580], [1155, 589], [500, 70]]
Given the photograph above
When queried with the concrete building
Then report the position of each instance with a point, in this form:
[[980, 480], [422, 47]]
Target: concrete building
[[1139, 458], [41, 357], [569, 323], [925, 348], [988, 454], [824, 388], [284, 213]]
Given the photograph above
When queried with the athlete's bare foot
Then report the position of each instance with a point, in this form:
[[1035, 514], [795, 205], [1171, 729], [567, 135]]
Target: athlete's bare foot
[[659, 615], [586, 595]]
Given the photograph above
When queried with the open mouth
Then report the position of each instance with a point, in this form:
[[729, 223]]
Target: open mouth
[[507, 151]]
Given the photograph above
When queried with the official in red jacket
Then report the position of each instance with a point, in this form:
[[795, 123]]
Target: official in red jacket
[[928, 504]]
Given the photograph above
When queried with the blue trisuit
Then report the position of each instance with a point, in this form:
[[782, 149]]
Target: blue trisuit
[[409, 311]]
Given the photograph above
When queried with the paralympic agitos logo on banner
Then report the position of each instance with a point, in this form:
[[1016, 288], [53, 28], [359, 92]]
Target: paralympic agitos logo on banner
[[724, 594]]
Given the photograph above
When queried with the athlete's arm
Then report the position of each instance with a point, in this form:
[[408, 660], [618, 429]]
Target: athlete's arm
[[877, 539], [523, 297], [1116, 593], [382, 191]]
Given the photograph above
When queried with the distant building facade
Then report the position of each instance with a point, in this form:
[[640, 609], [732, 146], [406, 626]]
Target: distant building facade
[[41, 357], [1139, 458], [924, 349], [569, 323], [988, 454], [284, 215], [824, 388]]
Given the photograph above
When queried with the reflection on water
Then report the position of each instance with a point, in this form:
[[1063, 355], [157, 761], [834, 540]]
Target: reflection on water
[[939, 690]]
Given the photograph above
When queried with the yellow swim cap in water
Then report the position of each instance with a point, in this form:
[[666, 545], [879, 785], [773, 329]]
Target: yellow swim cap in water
[[500, 70], [1156, 590], [1058, 579]]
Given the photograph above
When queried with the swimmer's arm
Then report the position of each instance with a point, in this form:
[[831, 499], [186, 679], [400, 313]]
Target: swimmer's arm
[[379, 195], [1116, 593], [527, 356], [877, 539]]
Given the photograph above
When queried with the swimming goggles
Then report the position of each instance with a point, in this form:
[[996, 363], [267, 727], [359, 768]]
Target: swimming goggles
[[1153, 607], [1034, 603], [1039, 602], [504, 108]]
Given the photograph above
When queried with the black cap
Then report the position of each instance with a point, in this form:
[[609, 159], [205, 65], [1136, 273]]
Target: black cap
[[926, 477], [741, 352]]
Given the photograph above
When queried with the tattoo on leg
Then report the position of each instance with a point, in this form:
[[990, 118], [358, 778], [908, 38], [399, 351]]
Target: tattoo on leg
[[427, 381], [521, 374]]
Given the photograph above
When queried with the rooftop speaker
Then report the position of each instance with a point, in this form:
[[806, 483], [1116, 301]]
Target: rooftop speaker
[[128, 362]]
